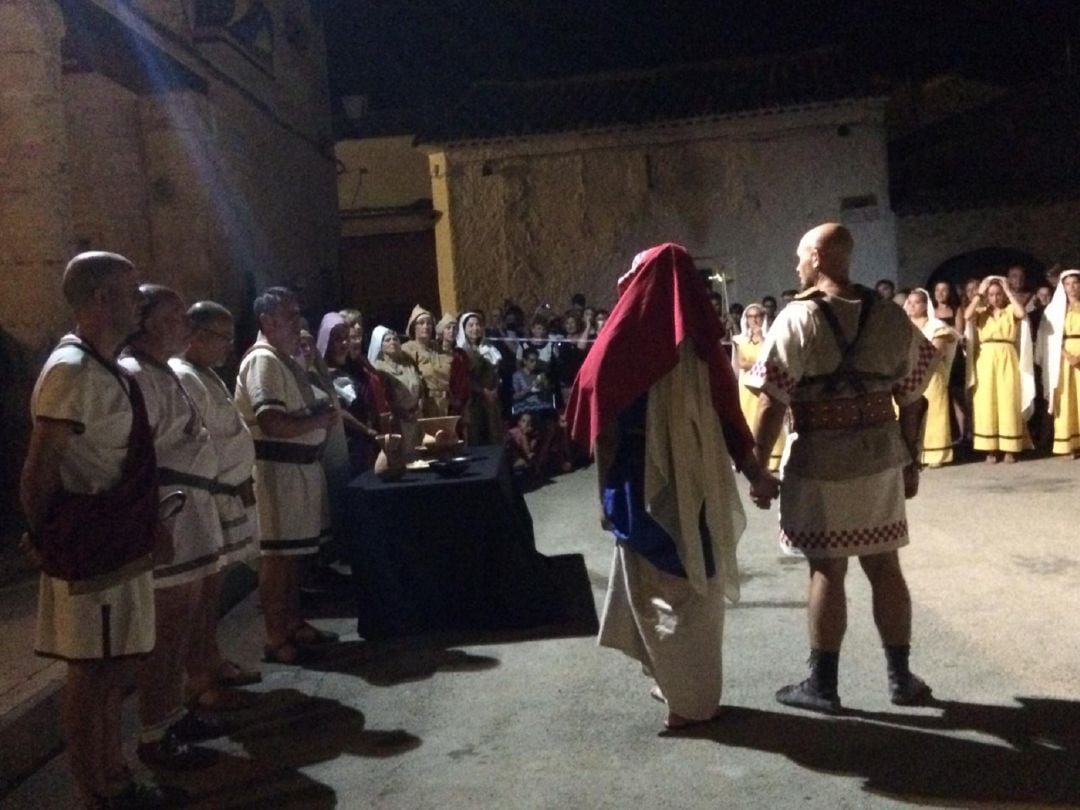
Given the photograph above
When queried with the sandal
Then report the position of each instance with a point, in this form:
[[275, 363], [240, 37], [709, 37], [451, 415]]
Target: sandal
[[307, 634], [232, 674]]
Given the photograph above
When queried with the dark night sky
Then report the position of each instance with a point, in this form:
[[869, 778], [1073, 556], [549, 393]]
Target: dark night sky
[[418, 53]]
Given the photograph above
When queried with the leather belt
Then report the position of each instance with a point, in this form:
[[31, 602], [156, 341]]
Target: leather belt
[[843, 414]]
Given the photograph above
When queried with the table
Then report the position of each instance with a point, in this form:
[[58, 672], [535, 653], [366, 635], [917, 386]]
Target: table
[[431, 553]]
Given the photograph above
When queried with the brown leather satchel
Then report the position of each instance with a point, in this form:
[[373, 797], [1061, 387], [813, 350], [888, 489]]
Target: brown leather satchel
[[85, 536]]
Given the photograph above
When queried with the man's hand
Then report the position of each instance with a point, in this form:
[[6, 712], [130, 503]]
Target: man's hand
[[163, 551], [911, 480], [26, 545], [1072, 359], [764, 490]]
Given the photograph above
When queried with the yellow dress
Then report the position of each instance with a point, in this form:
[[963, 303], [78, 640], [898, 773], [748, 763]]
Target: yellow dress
[[996, 400], [937, 432], [748, 353], [1067, 396]]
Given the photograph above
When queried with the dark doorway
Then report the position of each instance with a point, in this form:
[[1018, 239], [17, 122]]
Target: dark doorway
[[985, 262], [385, 275]]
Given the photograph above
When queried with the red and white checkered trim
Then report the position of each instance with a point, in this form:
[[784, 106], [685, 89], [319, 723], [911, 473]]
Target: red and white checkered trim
[[914, 380], [845, 538], [763, 372]]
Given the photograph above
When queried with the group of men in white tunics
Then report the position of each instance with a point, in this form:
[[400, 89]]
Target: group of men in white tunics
[[220, 474]]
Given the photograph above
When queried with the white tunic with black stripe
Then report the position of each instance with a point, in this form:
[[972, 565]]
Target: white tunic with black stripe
[[113, 615], [235, 455], [187, 461], [290, 486]]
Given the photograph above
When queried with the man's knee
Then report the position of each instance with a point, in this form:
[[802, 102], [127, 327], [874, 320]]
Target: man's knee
[[833, 568], [881, 567]]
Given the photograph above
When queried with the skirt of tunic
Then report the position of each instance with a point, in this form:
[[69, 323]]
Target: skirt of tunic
[[113, 622], [845, 518], [1067, 404], [677, 635], [292, 507], [998, 426], [937, 432]]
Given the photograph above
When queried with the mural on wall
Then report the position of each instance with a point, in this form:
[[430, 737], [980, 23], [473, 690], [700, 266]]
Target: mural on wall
[[246, 24]]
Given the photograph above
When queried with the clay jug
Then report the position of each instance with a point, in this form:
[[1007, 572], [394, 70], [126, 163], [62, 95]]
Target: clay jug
[[390, 464]]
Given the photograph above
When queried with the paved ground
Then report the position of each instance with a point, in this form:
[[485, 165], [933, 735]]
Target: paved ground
[[994, 569]]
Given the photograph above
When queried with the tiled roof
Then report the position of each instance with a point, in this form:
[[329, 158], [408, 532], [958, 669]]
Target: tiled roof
[[1020, 147], [628, 99]]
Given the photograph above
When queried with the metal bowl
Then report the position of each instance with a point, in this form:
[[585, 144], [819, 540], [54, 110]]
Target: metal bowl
[[450, 467]]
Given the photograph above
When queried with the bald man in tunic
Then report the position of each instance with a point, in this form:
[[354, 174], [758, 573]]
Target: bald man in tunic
[[839, 356]]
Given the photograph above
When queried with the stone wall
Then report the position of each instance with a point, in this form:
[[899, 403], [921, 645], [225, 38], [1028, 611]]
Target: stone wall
[[217, 183], [1048, 231], [539, 219]]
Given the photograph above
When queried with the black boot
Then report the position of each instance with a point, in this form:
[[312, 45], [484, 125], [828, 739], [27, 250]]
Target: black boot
[[905, 689], [818, 692]]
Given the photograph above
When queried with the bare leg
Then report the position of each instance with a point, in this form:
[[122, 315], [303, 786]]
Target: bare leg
[[117, 773], [892, 601], [274, 581], [203, 659], [83, 719], [160, 676], [827, 609]]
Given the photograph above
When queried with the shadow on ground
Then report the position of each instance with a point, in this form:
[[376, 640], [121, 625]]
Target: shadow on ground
[[271, 743], [914, 757]]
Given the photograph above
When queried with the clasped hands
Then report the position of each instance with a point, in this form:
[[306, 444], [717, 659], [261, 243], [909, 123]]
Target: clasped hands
[[764, 489]]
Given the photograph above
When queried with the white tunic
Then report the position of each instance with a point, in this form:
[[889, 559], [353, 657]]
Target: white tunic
[[291, 497], [90, 620], [187, 461], [843, 491], [235, 455]]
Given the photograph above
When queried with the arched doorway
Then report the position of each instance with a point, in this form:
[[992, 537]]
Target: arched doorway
[[985, 262]]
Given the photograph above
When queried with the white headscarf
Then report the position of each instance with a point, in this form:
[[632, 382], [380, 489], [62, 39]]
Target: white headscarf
[[744, 333], [1051, 338], [374, 349], [485, 349], [744, 324], [935, 327]]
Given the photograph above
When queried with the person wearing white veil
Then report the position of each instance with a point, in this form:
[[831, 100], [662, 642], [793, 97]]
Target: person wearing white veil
[[404, 385], [753, 327], [1002, 373], [1059, 355], [937, 448], [482, 411]]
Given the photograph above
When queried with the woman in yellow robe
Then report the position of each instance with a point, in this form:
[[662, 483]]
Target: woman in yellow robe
[[937, 437], [1059, 351], [746, 346], [1001, 376]]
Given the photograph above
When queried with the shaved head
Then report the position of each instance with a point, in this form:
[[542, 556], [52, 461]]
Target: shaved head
[[88, 272], [835, 244]]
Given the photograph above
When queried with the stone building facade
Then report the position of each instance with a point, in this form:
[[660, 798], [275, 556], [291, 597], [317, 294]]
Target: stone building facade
[[544, 189], [541, 218], [193, 136]]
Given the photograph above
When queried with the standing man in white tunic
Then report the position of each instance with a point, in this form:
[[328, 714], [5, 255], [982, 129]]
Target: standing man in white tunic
[[288, 418], [212, 333], [839, 356], [87, 416], [187, 461]]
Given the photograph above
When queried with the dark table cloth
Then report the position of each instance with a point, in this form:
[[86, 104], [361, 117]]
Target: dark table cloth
[[431, 553]]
